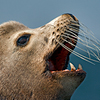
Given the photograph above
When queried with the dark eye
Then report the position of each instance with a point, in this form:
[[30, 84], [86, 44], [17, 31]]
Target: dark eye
[[23, 40]]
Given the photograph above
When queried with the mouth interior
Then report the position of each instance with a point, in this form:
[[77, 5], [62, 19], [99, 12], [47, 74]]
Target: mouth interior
[[60, 58]]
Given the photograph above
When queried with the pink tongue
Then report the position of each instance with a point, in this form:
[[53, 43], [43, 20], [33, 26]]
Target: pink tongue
[[57, 61]]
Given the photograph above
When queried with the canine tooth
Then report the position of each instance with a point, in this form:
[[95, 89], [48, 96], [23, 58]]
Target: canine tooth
[[79, 66], [72, 67]]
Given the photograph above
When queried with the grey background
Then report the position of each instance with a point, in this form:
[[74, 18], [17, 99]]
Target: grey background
[[35, 13]]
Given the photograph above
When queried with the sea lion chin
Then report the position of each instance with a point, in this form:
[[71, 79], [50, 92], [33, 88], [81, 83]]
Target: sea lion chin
[[33, 62]]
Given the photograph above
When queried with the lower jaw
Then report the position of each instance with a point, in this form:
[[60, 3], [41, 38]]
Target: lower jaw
[[66, 75], [73, 69]]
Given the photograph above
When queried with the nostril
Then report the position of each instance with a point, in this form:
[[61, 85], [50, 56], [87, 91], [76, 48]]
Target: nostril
[[62, 33], [53, 33]]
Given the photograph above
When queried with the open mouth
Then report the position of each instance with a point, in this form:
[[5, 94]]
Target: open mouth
[[60, 59], [67, 39]]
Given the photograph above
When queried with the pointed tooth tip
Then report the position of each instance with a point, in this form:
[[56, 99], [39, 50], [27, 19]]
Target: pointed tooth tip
[[72, 67], [80, 66]]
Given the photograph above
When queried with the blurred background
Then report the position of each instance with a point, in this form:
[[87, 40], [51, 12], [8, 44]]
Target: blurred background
[[35, 13]]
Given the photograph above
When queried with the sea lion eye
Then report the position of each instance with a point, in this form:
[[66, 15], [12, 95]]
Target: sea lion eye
[[23, 40]]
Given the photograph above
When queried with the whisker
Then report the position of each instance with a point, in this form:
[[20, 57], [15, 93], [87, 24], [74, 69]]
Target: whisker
[[85, 36], [89, 34], [92, 39], [79, 41], [67, 31], [74, 27], [67, 35], [81, 36], [76, 22], [86, 28], [75, 31], [89, 31], [77, 54], [78, 47], [96, 46], [87, 44], [96, 55], [93, 42], [90, 54]]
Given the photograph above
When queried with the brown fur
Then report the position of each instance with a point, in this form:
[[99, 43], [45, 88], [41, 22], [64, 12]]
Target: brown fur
[[22, 75]]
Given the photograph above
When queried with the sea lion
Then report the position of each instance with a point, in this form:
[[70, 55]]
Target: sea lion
[[33, 62]]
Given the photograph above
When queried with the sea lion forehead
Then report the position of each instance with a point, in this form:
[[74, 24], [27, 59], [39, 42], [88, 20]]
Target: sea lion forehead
[[11, 26]]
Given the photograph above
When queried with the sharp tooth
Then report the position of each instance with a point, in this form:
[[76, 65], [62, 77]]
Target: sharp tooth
[[80, 66], [72, 67]]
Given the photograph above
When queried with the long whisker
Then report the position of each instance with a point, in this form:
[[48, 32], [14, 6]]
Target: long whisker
[[95, 55], [76, 53], [81, 36], [74, 27], [86, 28], [78, 41], [77, 46], [76, 22], [86, 33], [92, 39], [85, 36], [74, 35], [81, 48], [82, 28]]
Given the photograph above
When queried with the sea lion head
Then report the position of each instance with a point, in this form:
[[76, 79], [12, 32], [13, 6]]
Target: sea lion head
[[33, 62]]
